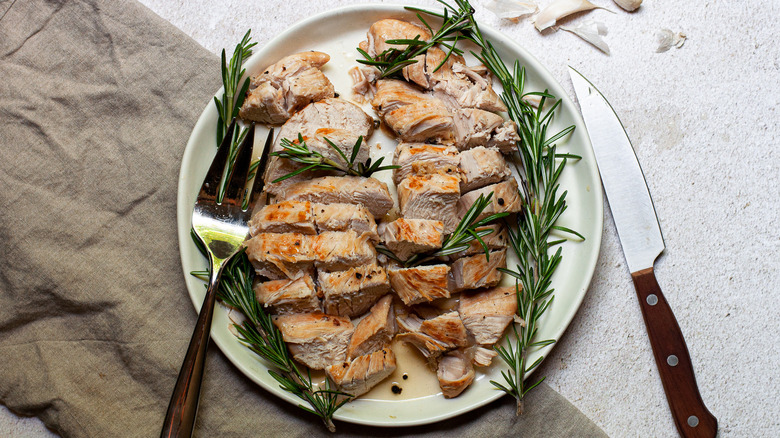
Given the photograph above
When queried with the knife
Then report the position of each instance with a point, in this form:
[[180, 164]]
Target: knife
[[640, 235]]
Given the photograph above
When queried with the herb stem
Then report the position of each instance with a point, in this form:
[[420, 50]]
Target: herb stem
[[299, 152], [543, 204]]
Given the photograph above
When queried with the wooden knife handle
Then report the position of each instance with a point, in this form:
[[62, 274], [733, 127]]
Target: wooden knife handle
[[692, 418]]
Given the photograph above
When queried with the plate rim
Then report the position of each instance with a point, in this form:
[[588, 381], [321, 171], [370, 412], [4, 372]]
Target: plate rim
[[206, 123]]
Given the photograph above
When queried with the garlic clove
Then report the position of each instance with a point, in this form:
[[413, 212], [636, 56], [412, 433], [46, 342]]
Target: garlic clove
[[236, 318], [629, 5], [559, 9], [590, 31], [511, 9], [667, 39], [535, 100]]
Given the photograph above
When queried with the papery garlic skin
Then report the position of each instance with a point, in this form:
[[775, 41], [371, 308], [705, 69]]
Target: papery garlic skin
[[668, 39], [559, 9], [511, 9], [591, 31], [629, 5]]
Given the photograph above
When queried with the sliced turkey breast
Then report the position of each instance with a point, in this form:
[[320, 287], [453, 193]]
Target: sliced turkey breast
[[471, 87], [362, 373], [483, 357], [474, 272], [420, 284], [481, 166], [429, 347], [409, 328], [455, 373], [284, 217], [433, 197], [506, 198], [406, 237], [279, 256], [447, 329], [363, 78], [392, 29], [413, 114], [286, 87], [424, 159], [338, 120], [422, 121], [392, 94], [288, 296], [343, 217], [487, 314], [375, 331], [316, 339], [352, 292], [497, 239], [336, 250], [504, 138], [368, 192]]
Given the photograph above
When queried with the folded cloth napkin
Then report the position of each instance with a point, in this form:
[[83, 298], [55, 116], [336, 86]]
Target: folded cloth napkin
[[97, 101]]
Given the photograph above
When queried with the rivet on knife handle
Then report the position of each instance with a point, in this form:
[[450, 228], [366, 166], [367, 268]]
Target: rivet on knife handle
[[692, 418]]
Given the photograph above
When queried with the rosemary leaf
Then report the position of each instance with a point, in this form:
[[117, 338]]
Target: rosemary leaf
[[232, 98], [299, 152]]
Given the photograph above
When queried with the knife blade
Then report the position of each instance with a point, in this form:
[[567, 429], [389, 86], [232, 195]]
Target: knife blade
[[640, 236]]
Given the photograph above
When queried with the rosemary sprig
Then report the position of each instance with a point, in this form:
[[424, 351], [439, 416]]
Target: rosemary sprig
[[543, 205], [261, 336], [460, 239], [393, 60], [231, 74], [299, 152], [232, 99]]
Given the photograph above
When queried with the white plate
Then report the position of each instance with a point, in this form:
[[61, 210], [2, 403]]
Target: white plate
[[337, 33]]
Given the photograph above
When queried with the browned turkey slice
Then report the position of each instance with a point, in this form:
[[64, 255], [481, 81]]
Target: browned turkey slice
[[447, 329], [392, 94], [343, 217], [375, 331], [279, 256], [337, 250], [284, 217], [392, 29], [420, 284], [362, 373], [288, 296], [338, 120], [406, 237], [286, 87], [471, 87], [423, 159], [506, 199], [433, 197], [483, 357], [421, 121], [497, 239], [368, 192], [474, 272], [487, 314], [481, 166], [409, 327], [352, 292], [316, 339]]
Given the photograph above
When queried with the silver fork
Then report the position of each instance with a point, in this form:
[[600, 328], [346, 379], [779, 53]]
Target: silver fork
[[221, 227]]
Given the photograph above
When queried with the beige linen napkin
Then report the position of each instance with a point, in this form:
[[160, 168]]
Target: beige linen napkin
[[97, 100]]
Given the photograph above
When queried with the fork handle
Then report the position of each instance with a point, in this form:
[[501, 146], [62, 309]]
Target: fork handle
[[180, 419]]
